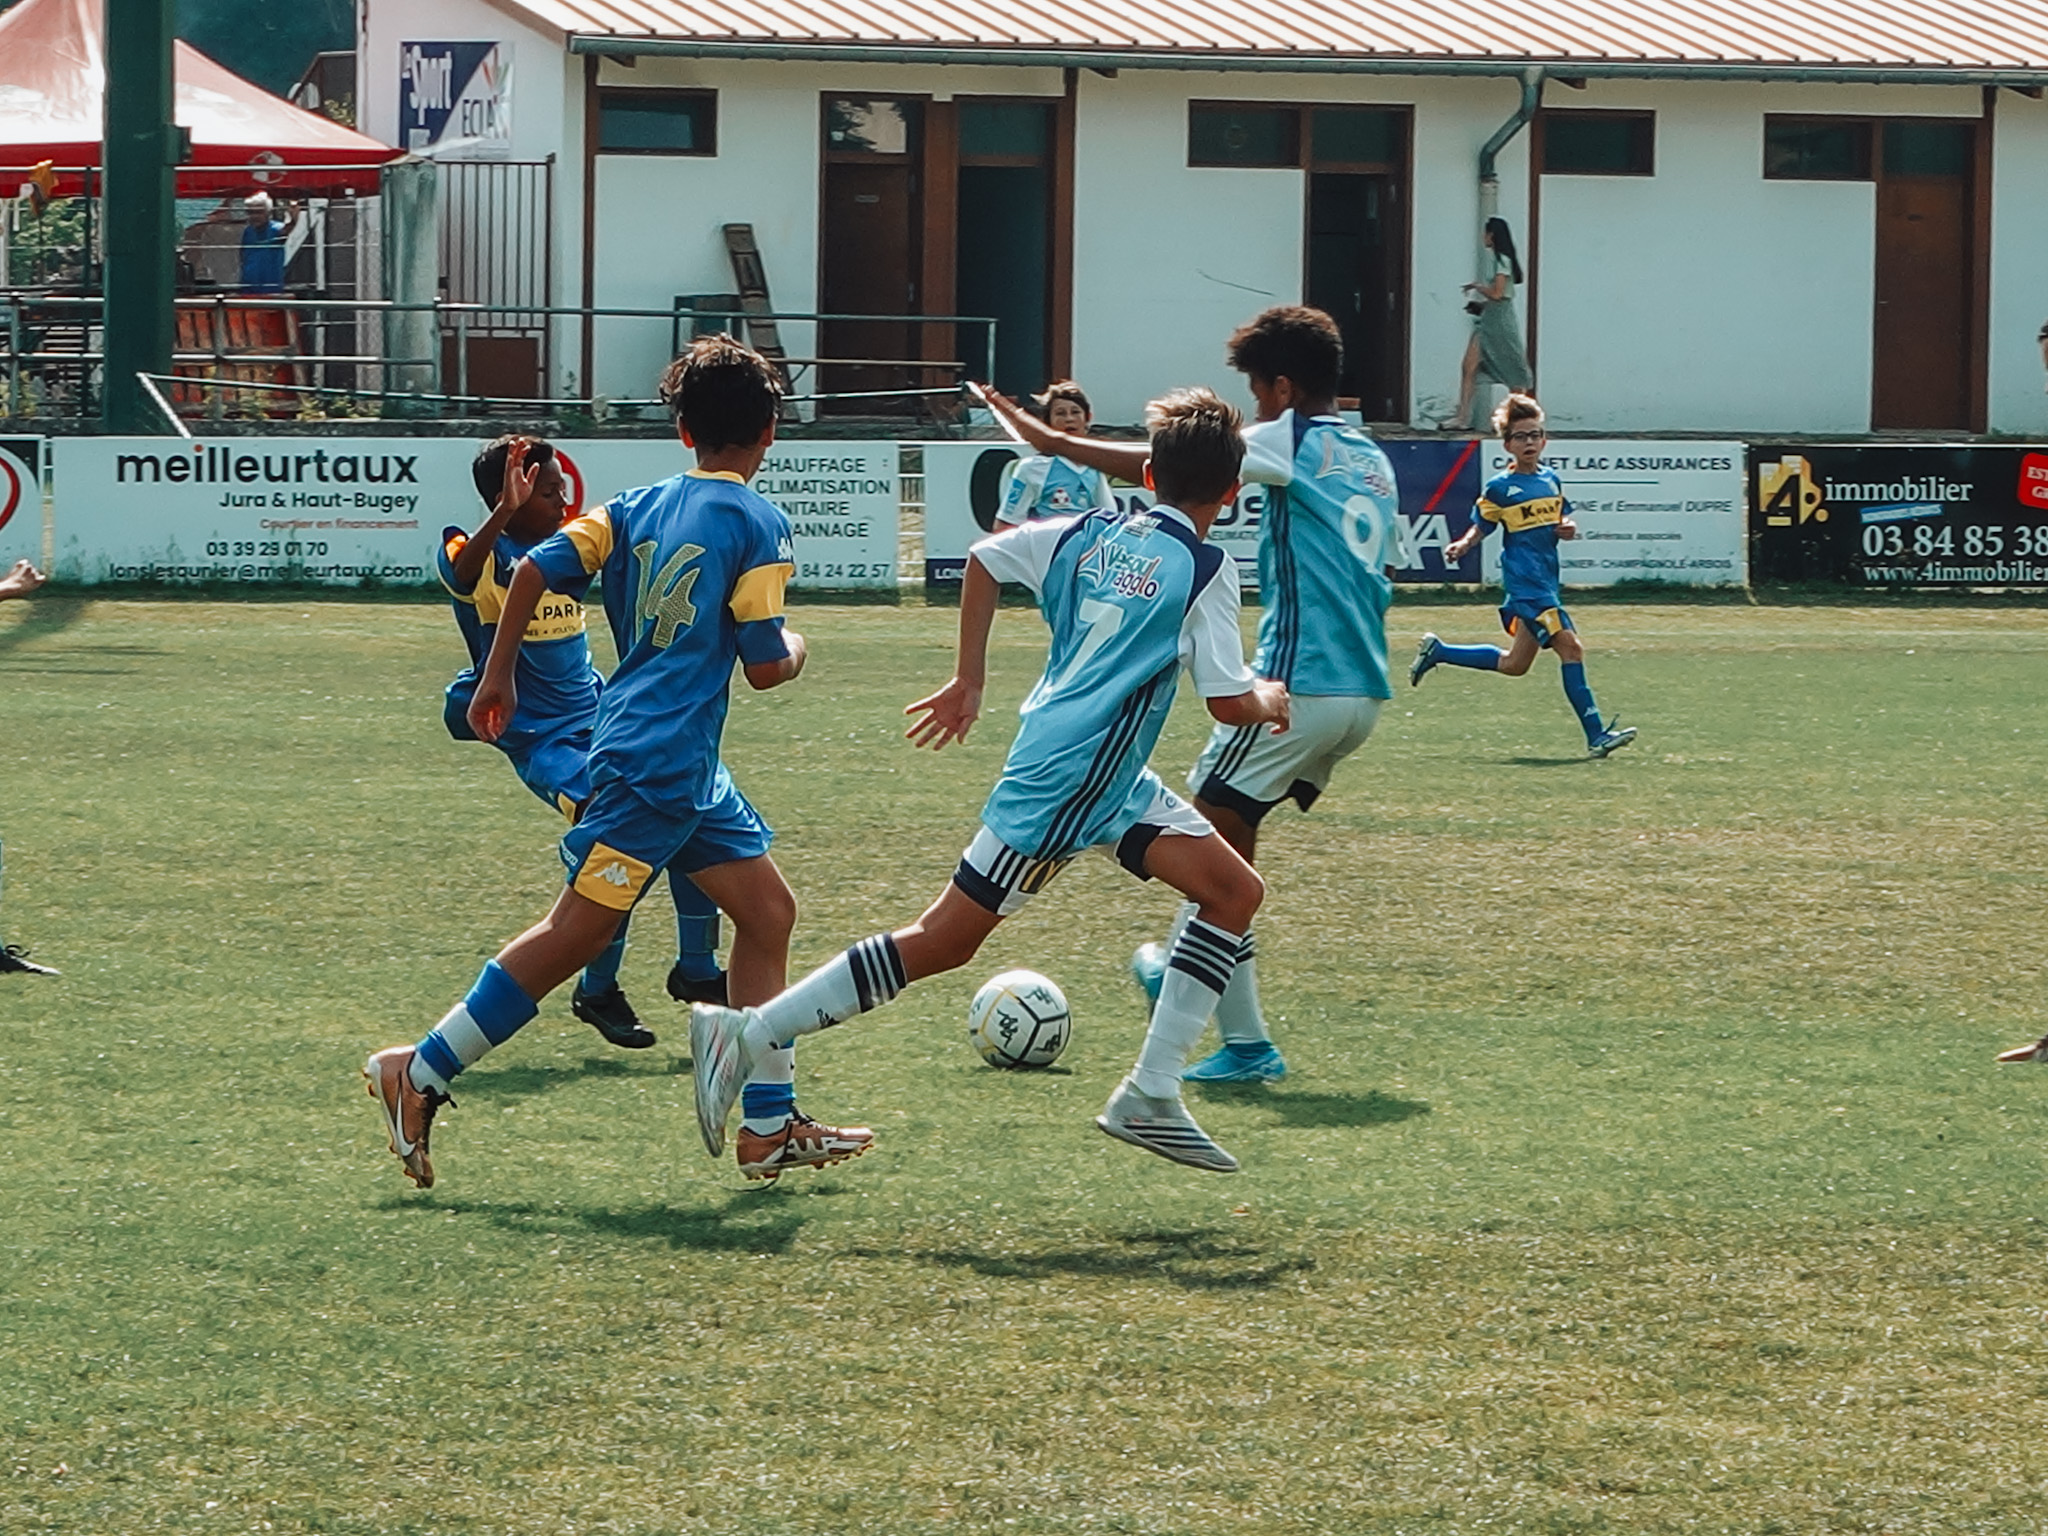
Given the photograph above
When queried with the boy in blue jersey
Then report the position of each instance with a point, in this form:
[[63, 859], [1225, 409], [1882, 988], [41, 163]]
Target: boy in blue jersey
[[1329, 538], [693, 571], [1130, 598], [1046, 485], [1529, 504], [548, 741]]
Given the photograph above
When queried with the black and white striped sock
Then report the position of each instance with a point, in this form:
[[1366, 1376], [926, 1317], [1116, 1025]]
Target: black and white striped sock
[[863, 978], [1197, 971]]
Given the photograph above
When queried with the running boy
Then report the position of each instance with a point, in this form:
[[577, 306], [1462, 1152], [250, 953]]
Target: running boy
[[548, 739], [19, 582], [1046, 485], [1529, 503], [693, 572], [1328, 539], [1131, 598]]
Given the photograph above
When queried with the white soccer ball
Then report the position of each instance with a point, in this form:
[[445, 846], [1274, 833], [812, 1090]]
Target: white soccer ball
[[1019, 1019]]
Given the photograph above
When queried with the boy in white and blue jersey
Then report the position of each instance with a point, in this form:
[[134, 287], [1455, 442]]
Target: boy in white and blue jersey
[[1534, 514], [1046, 485], [1329, 537], [694, 570], [548, 739], [1131, 598]]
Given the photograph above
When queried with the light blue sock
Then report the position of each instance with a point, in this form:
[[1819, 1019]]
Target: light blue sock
[[1575, 689], [1481, 658], [602, 974], [492, 1014], [696, 928]]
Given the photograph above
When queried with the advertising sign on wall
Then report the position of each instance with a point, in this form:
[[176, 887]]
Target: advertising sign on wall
[[456, 99], [1931, 516], [21, 500], [1438, 483], [341, 510], [1646, 511]]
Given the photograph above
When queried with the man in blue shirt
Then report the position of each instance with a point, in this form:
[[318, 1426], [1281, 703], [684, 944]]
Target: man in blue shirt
[[1130, 598], [1529, 504], [263, 244], [694, 570]]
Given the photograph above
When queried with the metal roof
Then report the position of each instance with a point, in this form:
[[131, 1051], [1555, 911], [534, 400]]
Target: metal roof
[[1819, 38]]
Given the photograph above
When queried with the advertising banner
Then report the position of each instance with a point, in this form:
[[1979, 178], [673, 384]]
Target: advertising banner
[[21, 500], [455, 99], [1920, 516], [342, 510], [1646, 511], [1438, 483]]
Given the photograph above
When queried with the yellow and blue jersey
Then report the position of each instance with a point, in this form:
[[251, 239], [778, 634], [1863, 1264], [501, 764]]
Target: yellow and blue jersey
[[694, 571], [1528, 509], [558, 687]]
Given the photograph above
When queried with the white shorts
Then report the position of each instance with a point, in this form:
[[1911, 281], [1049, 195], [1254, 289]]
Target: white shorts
[[994, 875], [1247, 769]]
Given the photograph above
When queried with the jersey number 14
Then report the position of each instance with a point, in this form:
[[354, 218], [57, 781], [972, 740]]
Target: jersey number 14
[[665, 596]]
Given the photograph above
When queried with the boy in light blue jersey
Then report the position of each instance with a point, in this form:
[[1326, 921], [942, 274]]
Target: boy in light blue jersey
[[548, 739], [1046, 485], [693, 570], [1529, 504], [1130, 598], [1329, 537]]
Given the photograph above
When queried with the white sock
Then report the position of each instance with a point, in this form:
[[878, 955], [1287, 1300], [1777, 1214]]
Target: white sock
[[864, 977], [1238, 1019], [1197, 971]]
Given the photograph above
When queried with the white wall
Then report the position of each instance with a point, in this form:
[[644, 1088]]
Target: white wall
[[2019, 264], [1705, 297]]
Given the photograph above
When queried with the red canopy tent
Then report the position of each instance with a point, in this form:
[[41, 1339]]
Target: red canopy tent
[[53, 78]]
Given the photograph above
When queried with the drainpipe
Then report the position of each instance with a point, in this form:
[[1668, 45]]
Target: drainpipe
[[1489, 177]]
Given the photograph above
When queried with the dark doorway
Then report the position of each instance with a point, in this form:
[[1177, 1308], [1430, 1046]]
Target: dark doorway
[[870, 246], [1003, 244], [1357, 239], [1921, 349]]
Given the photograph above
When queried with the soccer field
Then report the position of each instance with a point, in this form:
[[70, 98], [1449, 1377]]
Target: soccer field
[[1644, 1167]]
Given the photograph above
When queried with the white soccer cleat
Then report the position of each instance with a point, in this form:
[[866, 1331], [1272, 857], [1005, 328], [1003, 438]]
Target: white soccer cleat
[[2038, 1051], [1163, 1126], [721, 1063]]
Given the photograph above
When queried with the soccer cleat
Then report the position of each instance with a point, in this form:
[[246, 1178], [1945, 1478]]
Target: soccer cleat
[[1148, 967], [721, 1063], [691, 989], [408, 1111], [14, 958], [611, 1016], [1425, 659], [1259, 1062], [2038, 1051], [1163, 1126], [1611, 740], [801, 1143]]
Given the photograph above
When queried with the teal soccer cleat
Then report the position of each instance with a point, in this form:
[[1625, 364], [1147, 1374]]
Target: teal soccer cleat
[[1257, 1063], [1425, 660], [1148, 967]]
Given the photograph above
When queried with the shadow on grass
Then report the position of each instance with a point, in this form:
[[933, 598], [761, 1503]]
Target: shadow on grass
[[517, 1082], [49, 614], [1196, 1260], [1316, 1111], [1545, 762], [745, 1224]]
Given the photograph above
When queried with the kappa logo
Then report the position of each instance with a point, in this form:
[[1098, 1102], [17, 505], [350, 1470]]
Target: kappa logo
[[616, 874], [1788, 493]]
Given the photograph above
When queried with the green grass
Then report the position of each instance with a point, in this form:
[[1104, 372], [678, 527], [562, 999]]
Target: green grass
[[1644, 1168]]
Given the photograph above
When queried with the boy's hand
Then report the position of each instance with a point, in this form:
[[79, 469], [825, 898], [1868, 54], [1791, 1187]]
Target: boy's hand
[[491, 708], [1567, 529], [519, 478], [1274, 704], [946, 716], [1459, 547], [21, 581]]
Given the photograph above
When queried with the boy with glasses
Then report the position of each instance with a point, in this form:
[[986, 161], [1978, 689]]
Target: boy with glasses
[[1534, 515]]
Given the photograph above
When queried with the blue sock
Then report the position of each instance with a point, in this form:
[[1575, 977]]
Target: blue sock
[[696, 928], [768, 1101], [602, 974], [492, 1014], [1575, 689], [1481, 658]]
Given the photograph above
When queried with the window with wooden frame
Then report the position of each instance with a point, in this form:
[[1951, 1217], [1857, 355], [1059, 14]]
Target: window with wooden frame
[[643, 120], [1592, 142], [1818, 148], [1285, 136]]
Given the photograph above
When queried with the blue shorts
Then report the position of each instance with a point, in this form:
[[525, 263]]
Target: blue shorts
[[614, 850], [1546, 621], [556, 768]]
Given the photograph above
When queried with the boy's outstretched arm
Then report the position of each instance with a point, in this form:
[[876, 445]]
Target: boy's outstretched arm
[[1265, 702], [20, 581], [470, 560], [762, 675], [947, 716], [497, 696], [1124, 460]]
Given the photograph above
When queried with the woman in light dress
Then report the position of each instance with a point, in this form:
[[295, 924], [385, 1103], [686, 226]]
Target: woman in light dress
[[1495, 352]]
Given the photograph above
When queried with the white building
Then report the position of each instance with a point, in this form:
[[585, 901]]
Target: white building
[[1745, 216]]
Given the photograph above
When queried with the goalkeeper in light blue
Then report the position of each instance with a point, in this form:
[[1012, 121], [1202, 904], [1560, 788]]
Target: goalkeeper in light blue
[[1529, 504], [1131, 599]]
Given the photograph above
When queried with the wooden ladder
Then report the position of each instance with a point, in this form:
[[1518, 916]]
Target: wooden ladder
[[751, 278]]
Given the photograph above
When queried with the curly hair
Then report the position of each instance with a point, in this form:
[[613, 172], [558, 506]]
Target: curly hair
[[724, 394], [1292, 342]]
